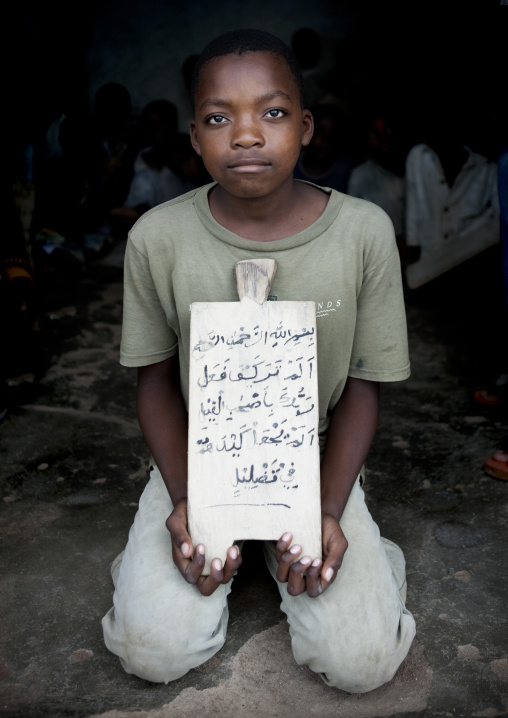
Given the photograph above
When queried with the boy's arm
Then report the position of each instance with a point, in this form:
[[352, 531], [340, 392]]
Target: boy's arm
[[352, 428], [163, 420]]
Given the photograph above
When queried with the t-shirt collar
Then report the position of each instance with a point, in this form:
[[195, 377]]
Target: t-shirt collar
[[316, 229]]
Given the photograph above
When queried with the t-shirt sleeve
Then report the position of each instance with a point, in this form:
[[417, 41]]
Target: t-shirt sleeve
[[380, 347], [146, 335]]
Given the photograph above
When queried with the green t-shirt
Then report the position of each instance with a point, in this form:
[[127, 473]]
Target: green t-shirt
[[346, 262]]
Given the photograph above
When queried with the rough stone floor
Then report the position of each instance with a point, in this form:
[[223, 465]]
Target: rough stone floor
[[73, 467]]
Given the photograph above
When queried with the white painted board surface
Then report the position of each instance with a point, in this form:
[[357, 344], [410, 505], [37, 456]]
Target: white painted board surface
[[253, 425]]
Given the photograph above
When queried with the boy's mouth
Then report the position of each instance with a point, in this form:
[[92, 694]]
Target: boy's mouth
[[248, 164]]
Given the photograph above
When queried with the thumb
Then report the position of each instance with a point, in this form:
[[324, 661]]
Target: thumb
[[176, 523]]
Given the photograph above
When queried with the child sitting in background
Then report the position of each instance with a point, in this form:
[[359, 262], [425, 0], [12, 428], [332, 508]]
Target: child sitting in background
[[325, 161], [380, 178], [452, 204], [153, 182]]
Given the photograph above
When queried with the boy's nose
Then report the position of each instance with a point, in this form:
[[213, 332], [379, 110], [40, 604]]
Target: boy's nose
[[247, 133]]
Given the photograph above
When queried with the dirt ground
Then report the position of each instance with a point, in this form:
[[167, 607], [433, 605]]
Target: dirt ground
[[74, 465]]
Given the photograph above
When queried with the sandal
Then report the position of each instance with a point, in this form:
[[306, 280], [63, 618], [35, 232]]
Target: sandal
[[497, 465], [484, 396], [496, 394]]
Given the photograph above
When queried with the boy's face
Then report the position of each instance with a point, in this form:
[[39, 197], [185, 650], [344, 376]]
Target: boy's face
[[249, 126]]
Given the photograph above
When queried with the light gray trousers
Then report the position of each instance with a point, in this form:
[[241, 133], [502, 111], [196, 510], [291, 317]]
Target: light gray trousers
[[355, 635]]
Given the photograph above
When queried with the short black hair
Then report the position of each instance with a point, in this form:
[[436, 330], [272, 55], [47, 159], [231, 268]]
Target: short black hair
[[236, 42]]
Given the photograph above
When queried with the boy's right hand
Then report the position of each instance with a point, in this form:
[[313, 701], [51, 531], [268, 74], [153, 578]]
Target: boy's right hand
[[191, 564]]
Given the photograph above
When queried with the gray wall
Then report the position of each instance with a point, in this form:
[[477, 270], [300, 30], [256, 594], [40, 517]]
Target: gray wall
[[411, 52], [143, 43]]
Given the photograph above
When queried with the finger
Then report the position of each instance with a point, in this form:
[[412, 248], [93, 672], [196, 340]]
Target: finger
[[191, 569], [286, 561], [313, 579], [334, 547], [296, 579], [233, 563], [282, 545], [176, 524], [181, 547], [185, 547], [331, 567], [208, 584], [328, 574], [333, 562]]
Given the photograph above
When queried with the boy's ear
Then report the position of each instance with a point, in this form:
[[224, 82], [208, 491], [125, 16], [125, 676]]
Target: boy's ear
[[193, 137], [308, 127]]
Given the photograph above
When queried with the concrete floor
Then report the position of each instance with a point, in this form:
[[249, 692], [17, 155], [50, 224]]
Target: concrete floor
[[73, 467]]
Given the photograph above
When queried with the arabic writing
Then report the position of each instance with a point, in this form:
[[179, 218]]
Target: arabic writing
[[252, 337], [253, 404]]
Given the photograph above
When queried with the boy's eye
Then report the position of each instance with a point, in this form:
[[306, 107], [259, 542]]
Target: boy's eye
[[216, 120], [276, 113]]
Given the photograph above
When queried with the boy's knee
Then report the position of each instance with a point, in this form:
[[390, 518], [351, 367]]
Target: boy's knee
[[163, 650], [359, 676], [156, 667], [164, 663], [354, 666]]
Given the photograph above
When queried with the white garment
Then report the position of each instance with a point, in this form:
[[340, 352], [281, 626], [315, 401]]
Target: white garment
[[437, 214], [355, 635], [374, 183], [54, 149], [152, 187]]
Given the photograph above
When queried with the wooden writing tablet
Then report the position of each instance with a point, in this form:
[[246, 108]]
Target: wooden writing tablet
[[253, 418]]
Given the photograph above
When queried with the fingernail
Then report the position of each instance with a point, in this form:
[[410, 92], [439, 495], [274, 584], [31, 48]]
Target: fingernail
[[316, 562], [295, 549], [201, 548], [328, 574], [217, 564], [233, 553], [286, 537], [305, 560], [184, 548]]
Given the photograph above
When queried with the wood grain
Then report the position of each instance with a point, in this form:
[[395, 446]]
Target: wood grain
[[253, 418]]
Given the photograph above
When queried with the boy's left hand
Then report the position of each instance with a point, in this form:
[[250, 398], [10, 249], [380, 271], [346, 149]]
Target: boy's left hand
[[307, 575]]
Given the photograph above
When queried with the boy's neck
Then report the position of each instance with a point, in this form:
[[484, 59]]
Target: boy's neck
[[293, 208]]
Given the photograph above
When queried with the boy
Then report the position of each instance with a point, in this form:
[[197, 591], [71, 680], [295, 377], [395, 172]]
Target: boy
[[346, 607]]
